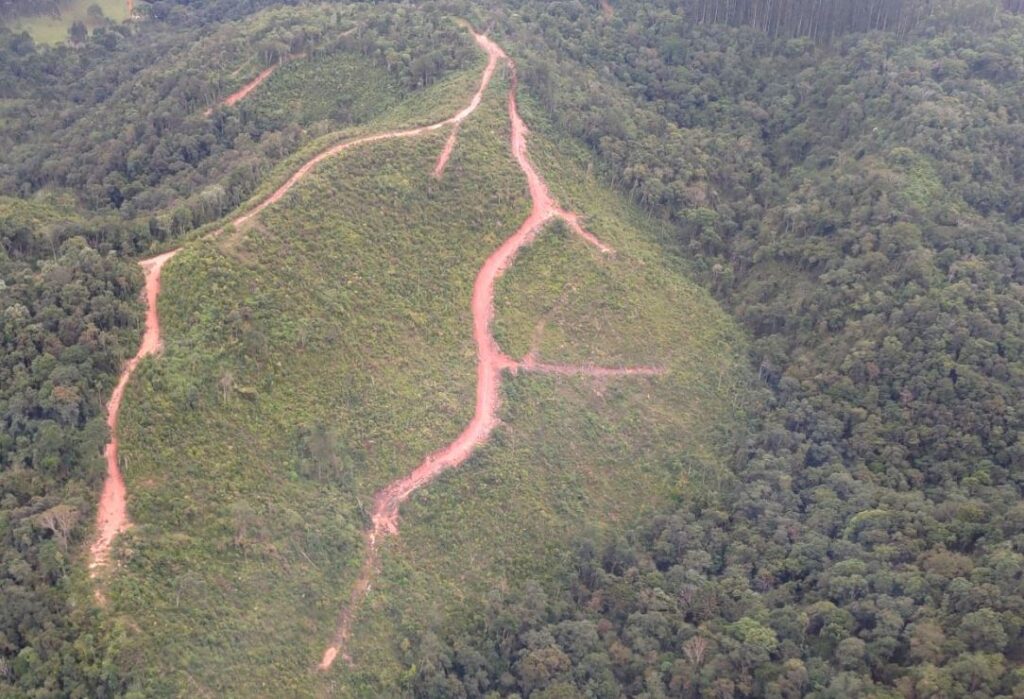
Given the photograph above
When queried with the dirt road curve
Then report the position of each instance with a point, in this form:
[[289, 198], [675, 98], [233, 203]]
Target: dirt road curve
[[493, 54], [111, 516], [491, 362]]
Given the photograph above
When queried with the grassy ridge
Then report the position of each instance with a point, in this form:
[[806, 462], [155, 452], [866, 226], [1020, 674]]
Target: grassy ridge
[[324, 351]]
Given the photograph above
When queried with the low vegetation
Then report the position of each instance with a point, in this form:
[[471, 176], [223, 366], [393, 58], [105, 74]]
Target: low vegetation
[[323, 352]]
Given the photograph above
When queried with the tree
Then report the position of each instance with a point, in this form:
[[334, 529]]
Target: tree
[[77, 32]]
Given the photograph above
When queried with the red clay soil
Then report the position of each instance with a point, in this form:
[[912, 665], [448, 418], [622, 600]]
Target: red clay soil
[[491, 362], [242, 92], [446, 153], [111, 516]]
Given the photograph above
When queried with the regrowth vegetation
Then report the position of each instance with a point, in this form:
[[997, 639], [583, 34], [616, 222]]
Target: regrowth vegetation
[[333, 350], [857, 209], [850, 197]]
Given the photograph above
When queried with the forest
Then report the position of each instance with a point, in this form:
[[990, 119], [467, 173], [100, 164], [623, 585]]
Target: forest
[[843, 177]]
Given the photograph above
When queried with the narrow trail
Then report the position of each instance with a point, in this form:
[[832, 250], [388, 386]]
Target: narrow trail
[[242, 92], [491, 362], [111, 515], [493, 55]]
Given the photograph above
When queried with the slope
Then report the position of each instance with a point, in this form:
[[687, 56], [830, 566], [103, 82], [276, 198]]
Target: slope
[[320, 353]]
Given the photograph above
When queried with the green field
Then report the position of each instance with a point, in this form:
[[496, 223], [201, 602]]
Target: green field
[[315, 356], [46, 29]]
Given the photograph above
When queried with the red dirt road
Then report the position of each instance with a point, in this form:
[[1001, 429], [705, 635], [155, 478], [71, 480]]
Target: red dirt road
[[491, 361], [243, 92], [493, 54], [111, 515]]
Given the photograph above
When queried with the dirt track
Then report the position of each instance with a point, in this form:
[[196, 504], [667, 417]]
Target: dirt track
[[111, 515], [491, 361]]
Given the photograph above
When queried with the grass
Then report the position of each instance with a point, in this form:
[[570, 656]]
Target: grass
[[431, 105], [323, 351], [46, 29]]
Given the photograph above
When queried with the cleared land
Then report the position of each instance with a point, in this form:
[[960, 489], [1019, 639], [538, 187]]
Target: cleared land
[[318, 354]]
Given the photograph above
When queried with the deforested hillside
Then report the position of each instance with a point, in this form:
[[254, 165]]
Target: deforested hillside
[[514, 349], [315, 354]]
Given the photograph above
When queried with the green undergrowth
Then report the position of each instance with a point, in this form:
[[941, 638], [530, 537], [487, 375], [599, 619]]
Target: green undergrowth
[[233, 48], [337, 88], [323, 350], [432, 105], [309, 359]]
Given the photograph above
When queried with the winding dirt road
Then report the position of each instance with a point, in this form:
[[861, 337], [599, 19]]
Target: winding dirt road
[[111, 515], [493, 55], [491, 362]]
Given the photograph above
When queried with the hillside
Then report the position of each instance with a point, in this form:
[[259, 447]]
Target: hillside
[[681, 359], [323, 350]]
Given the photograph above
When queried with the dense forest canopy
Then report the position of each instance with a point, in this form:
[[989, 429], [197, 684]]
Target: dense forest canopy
[[846, 178], [823, 20]]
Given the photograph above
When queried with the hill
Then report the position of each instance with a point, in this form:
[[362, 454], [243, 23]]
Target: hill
[[685, 362], [323, 350]]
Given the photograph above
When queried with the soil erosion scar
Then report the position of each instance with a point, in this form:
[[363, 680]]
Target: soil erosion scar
[[491, 362]]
